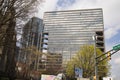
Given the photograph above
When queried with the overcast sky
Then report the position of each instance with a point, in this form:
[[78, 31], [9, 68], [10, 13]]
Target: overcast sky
[[111, 15]]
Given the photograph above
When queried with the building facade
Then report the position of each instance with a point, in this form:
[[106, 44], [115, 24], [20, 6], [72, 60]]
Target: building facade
[[68, 30], [32, 33], [31, 37]]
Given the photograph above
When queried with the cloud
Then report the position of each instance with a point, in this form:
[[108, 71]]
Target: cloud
[[117, 60], [48, 5], [53, 5], [115, 68], [112, 31], [62, 4], [65, 3], [110, 12]]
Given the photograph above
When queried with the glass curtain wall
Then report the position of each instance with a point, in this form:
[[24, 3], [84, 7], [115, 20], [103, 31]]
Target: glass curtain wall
[[68, 30]]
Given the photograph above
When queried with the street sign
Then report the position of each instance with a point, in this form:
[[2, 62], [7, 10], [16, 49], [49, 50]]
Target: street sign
[[117, 47], [78, 72]]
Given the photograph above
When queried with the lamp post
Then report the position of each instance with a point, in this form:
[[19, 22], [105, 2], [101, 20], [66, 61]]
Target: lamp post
[[95, 55]]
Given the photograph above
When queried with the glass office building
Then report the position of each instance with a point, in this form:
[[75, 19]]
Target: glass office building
[[32, 33], [68, 30]]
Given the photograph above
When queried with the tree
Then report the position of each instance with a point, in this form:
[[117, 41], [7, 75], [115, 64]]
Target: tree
[[12, 12], [85, 60], [29, 58], [36, 63], [22, 9], [9, 46]]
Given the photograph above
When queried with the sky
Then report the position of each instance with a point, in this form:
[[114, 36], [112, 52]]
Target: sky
[[111, 16]]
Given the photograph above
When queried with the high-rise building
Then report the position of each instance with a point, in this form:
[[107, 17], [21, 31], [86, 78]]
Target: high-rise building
[[32, 33], [70, 29], [31, 36]]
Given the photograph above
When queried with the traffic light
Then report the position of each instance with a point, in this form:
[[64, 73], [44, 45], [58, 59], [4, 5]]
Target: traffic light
[[109, 55], [100, 40], [94, 77]]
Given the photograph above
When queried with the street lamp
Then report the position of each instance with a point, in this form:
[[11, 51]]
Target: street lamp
[[95, 55]]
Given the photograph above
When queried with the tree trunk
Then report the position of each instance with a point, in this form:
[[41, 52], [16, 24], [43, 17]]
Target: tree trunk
[[8, 53]]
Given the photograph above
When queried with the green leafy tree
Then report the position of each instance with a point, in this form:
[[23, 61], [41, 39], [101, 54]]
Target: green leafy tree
[[85, 59]]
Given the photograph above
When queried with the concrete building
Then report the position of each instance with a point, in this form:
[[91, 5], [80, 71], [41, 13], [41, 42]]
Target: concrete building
[[70, 29]]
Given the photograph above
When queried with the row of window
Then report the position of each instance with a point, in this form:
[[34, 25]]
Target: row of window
[[69, 25], [74, 32], [71, 17], [80, 12], [71, 29]]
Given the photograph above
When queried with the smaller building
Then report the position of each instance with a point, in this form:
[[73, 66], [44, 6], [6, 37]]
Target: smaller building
[[54, 60], [51, 63]]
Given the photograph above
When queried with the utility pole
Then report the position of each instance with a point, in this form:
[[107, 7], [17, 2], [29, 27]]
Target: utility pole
[[108, 53], [95, 55]]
